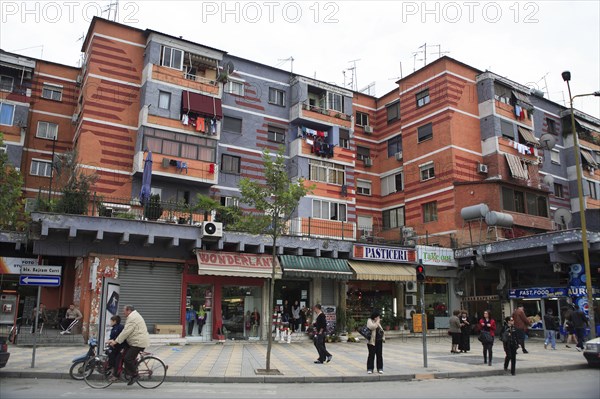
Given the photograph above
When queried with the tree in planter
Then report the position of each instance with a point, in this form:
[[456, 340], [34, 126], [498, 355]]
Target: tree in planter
[[153, 208], [206, 204], [12, 209], [276, 198], [75, 182]]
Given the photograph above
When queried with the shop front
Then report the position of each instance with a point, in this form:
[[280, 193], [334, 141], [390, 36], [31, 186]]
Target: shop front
[[225, 296], [381, 277]]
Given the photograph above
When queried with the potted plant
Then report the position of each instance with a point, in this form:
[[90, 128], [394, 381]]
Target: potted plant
[[153, 208]]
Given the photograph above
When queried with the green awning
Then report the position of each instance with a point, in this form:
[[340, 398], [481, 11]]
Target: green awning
[[308, 266]]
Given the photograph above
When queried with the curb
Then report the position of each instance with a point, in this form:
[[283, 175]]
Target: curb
[[313, 380]]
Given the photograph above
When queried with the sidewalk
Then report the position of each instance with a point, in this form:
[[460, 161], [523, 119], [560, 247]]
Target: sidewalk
[[236, 361]]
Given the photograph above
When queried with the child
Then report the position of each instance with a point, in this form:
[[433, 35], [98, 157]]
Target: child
[[115, 352]]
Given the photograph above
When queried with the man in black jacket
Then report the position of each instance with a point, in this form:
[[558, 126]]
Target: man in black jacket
[[580, 321], [320, 325], [551, 327]]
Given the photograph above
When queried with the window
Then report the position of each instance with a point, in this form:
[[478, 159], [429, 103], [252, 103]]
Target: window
[[423, 98], [344, 138], [593, 192], [335, 102], [164, 99], [276, 134], [551, 126], [362, 119], [47, 130], [362, 153], [558, 190], [172, 58], [180, 145], [233, 87], [41, 168], [230, 164], [276, 96], [363, 187], [326, 172], [329, 210], [393, 218], [425, 132], [394, 145], [365, 223], [430, 212], [52, 92], [530, 203], [555, 157], [427, 172], [507, 130], [6, 83], [393, 112], [392, 184], [231, 124], [230, 202], [7, 113]]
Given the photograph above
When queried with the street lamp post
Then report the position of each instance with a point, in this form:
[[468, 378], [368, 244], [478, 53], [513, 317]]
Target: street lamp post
[[566, 75]]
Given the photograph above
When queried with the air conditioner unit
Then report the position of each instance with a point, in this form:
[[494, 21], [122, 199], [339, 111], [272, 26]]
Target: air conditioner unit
[[211, 229], [482, 168], [366, 233], [368, 129], [368, 162], [410, 300], [399, 156], [411, 286]]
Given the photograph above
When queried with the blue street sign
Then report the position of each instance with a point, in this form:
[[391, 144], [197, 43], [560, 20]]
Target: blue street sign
[[43, 281]]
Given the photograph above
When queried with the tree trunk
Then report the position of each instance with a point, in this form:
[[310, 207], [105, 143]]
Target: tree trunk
[[270, 303]]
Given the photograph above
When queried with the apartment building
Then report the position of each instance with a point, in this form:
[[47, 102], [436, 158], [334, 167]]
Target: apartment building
[[391, 175]]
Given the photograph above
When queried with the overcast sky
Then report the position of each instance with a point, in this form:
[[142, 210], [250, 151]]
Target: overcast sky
[[528, 42]]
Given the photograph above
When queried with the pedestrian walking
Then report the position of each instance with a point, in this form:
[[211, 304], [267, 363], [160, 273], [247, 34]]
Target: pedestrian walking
[[580, 322], [551, 327], [454, 330], [320, 326], [521, 322], [375, 344], [488, 330], [510, 342], [465, 333]]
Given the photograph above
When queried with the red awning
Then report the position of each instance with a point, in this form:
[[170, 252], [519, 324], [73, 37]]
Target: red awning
[[201, 104]]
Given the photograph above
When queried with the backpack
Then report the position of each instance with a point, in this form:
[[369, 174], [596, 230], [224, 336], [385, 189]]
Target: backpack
[[502, 336]]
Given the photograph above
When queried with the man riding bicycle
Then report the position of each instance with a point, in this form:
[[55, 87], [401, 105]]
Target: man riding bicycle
[[137, 337]]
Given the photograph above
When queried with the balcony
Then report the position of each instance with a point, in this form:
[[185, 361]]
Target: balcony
[[206, 84], [507, 146], [159, 122], [17, 93], [300, 147], [178, 168], [508, 111], [328, 117]]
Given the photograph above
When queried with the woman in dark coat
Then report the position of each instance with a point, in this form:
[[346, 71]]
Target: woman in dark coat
[[465, 333], [510, 341]]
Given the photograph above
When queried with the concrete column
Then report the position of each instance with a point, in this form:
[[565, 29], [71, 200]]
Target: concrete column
[[316, 293]]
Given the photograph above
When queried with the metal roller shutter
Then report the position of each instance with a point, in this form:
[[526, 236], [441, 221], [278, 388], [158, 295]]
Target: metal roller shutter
[[155, 291]]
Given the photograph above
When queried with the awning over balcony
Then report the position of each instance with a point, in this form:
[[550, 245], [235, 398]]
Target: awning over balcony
[[528, 136], [201, 104], [521, 98], [307, 266], [233, 264], [589, 159], [382, 271], [585, 126], [517, 169]]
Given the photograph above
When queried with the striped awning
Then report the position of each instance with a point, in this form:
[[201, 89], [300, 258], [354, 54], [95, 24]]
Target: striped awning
[[528, 136], [517, 168], [586, 126], [382, 271], [521, 97], [588, 157], [308, 266]]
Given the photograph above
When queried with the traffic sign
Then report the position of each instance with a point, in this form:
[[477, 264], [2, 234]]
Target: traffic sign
[[42, 281], [41, 270]]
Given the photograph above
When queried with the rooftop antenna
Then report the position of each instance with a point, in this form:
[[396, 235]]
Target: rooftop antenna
[[415, 60], [29, 48], [398, 77], [284, 60], [367, 89], [114, 6], [440, 53], [354, 77], [424, 47], [344, 73]]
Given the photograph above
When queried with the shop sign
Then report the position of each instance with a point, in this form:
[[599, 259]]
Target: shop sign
[[330, 317], [384, 254], [436, 256], [538, 292], [582, 291], [13, 265], [228, 259]]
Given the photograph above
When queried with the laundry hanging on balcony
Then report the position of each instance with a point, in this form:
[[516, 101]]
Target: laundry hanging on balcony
[[201, 112]]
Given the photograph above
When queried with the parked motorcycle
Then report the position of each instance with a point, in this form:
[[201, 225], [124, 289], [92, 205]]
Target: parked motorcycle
[[77, 371]]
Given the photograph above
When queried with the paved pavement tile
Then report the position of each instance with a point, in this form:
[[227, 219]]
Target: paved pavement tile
[[237, 361]]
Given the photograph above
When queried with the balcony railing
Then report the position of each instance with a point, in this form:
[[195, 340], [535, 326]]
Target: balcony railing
[[327, 112]]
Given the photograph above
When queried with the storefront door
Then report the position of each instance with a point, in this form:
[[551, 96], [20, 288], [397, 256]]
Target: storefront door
[[199, 311], [238, 304]]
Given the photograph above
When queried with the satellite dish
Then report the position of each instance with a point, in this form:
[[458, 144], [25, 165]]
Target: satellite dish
[[563, 216], [547, 141], [227, 70], [548, 180]]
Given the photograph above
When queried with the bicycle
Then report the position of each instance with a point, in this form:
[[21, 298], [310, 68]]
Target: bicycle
[[151, 370]]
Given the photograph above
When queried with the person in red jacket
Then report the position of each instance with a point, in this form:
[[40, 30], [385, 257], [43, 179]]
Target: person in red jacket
[[487, 324]]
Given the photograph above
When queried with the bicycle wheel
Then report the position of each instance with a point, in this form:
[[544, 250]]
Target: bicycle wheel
[[151, 372], [77, 370], [99, 377]]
